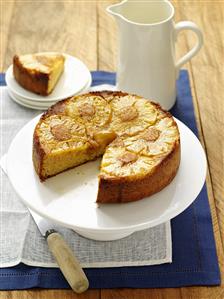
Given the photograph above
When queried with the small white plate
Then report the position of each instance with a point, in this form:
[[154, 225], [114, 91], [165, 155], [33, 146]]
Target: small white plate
[[69, 198], [39, 105], [26, 103], [74, 78]]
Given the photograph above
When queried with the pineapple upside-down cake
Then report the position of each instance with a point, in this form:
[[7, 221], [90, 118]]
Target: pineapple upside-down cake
[[139, 141]]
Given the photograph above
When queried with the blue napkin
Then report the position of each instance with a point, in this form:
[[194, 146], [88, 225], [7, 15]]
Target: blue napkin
[[194, 253]]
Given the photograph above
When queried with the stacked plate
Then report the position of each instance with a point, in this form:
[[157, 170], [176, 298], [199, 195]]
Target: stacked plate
[[75, 79]]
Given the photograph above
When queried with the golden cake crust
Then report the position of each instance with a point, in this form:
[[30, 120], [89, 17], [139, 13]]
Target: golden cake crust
[[36, 82], [35, 79], [114, 187]]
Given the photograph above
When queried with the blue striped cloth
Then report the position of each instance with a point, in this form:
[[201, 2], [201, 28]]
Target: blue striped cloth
[[194, 253]]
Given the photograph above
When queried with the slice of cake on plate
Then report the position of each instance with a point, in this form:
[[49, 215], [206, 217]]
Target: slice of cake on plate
[[38, 72]]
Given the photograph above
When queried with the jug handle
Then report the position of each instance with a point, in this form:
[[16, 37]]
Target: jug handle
[[187, 25]]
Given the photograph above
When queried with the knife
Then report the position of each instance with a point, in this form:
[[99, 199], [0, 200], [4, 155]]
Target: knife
[[65, 258], [63, 254]]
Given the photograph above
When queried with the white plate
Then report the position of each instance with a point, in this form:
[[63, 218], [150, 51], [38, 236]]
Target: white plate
[[44, 103], [73, 80], [69, 198], [27, 104], [39, 105]]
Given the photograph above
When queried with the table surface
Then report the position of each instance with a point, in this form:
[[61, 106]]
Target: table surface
[[83, 29]]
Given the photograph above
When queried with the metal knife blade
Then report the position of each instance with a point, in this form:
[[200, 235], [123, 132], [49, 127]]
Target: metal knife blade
[[43, 224]]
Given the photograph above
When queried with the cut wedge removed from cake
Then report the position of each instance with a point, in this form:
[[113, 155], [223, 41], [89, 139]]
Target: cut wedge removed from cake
[[38, 72], [139, 141]]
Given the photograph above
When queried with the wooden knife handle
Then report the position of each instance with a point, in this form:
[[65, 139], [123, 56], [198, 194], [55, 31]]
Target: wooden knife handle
[[67, 262]]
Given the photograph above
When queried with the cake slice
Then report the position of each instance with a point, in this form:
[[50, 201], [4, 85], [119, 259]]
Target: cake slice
[[71, 133], [38, 72], [134, 167]]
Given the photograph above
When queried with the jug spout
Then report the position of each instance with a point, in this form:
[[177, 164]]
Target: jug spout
[[142, 12], [116, 9]]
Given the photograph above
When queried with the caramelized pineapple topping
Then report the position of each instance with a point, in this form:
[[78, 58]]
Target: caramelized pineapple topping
[[128, 157], [128, 113], [86, 110], [151, 134], [61, 132]]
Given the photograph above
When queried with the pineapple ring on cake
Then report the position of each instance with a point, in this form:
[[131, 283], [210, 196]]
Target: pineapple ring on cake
[[132, 114], [56, 128], [139, 141], [156, 140], [58, 132], [94, 111], [120, 162]]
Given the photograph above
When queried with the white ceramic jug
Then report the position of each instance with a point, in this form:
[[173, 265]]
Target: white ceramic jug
[[147, 64]]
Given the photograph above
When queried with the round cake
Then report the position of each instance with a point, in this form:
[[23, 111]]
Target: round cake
[[139, 141]]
